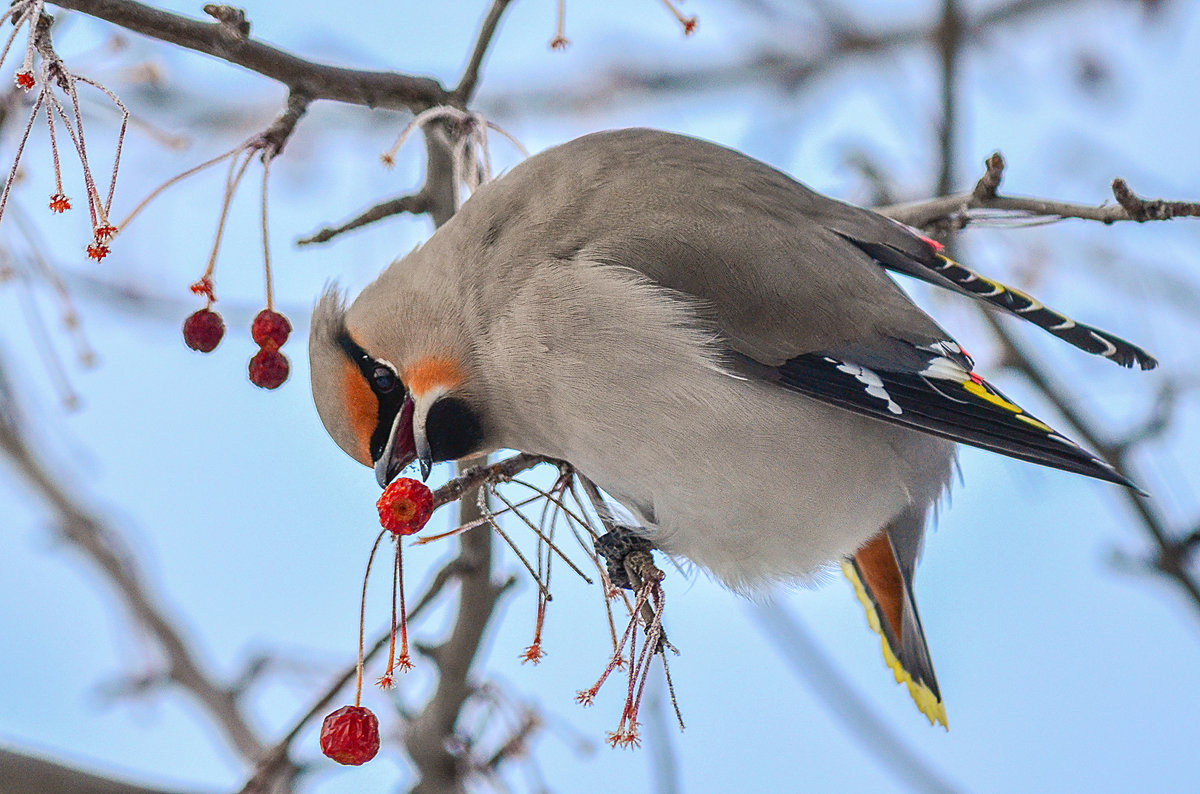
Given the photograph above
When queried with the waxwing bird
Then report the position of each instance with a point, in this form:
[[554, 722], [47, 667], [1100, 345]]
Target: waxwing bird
[[717, 346]]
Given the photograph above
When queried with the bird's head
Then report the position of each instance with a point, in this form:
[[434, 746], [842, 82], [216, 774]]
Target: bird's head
[[387, 393]]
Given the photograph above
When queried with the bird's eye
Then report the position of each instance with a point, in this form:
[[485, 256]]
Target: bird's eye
[[383, 379]]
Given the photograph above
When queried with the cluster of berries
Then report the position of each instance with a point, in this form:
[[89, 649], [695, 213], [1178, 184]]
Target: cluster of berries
[[269, 368], [350, 735]]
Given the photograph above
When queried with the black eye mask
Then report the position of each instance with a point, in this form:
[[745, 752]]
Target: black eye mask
[[384, 383]]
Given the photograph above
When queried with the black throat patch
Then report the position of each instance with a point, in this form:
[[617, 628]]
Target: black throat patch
[[453, 429]]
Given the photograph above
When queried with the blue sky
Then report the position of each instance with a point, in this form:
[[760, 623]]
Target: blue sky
[[1060, 671]]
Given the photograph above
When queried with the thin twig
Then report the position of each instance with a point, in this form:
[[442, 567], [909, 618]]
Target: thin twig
[[466, 86], [414, 204], [1169, 559]]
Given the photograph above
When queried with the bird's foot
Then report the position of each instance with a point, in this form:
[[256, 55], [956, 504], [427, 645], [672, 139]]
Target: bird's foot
[[620, 547]]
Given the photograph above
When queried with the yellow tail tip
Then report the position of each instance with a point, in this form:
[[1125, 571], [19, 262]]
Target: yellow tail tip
[[926, 702]]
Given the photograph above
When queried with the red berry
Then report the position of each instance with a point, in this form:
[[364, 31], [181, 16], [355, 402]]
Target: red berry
[[24, 79], [268, 368], [97, 251], [203, 330], [405, 506], [350, 735], [270, 329], [59, 203], [104, 233]]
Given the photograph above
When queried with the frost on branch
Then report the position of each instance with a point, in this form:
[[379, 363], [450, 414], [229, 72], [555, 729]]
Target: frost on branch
[[57, 99]]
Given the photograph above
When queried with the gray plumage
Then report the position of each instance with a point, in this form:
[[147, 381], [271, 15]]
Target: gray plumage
[[714, 344]]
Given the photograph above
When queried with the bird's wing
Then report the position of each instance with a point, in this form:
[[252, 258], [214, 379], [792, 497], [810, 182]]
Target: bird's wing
[[793, 282], [932, 388], [783, 270]]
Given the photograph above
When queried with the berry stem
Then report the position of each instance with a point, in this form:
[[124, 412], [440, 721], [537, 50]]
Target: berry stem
[[403, 660], [19, 18], [11, 36], [688, 23], [544, 538], [391, 662], [58, 186], [266, 161], [112, 185], [362, 617], [232, 178], [12, 173], [177, 178], [560, 40], [95, 205]]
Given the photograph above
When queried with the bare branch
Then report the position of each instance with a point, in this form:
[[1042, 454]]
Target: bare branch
[[1172, 551], [232, 18], [960, 209], [98, 542], [415, 204], [1141, 210], [275, 137], [471, 478], [948, 39], [1157, 422], [226, 41], [466, 86], [26, 774]]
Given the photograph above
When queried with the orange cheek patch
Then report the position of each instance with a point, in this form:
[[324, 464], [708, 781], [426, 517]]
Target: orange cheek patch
[[430, 373], [361, 407]]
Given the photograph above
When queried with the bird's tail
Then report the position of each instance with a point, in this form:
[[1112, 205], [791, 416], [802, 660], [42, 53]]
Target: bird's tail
[[884, 587], [1083, 336], [909, 253]]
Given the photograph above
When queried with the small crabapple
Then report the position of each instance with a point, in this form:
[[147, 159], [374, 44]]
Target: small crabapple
[[350, 735], [405, 506], [270, 329], [203, 330], [268, 368]]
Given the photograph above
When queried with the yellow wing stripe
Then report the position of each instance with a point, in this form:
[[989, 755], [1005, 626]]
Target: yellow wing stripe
[[927, 702], [984, 394], [1027, 419]]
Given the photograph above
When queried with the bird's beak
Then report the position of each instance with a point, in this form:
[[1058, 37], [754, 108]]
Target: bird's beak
[[424, 455], [401, 448], [421, 443]]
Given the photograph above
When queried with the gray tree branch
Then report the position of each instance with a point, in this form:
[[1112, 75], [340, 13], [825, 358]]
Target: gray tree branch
[[232, 43], [96, 540], [28, 774], [958, 210]]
